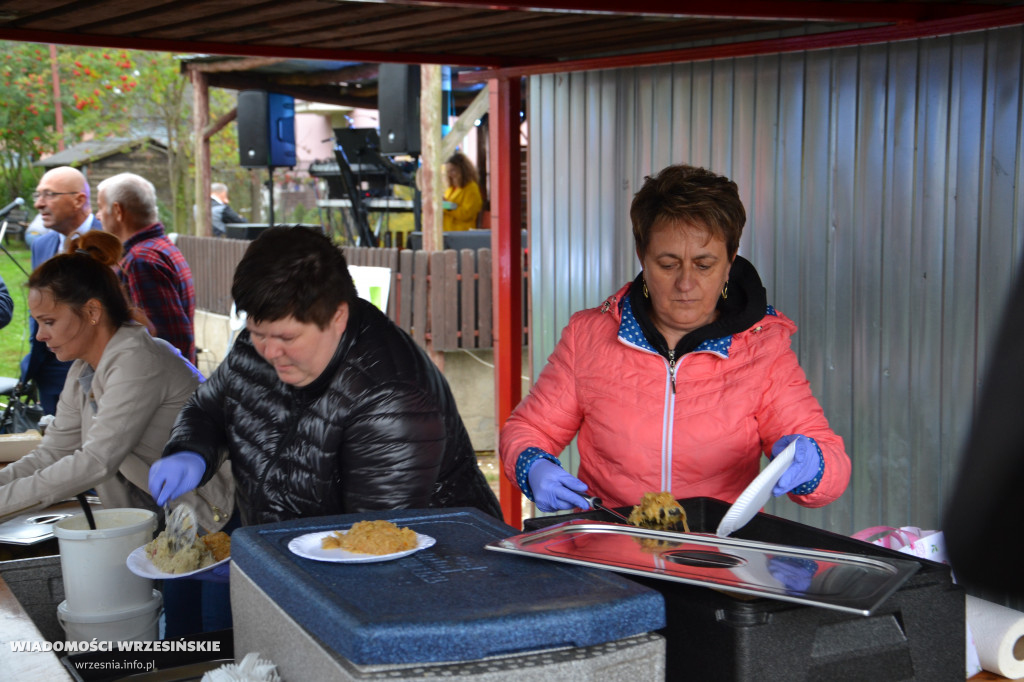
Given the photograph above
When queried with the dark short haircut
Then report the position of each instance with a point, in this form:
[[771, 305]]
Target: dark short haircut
[[292, 271], [689, 195], [76, 278]]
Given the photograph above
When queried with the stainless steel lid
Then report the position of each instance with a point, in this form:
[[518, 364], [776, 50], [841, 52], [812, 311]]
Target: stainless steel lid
[[34, 527], [816, 577]]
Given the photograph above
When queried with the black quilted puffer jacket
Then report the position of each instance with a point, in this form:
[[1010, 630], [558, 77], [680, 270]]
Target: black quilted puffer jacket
[[377, 430]]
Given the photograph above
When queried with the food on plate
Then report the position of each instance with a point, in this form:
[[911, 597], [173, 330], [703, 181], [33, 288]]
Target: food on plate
[[219, 544], [205, 551], [187, 559], [659, 511], [371, 537]]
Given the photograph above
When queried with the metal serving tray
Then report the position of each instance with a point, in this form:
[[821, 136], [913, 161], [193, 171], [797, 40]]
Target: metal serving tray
[[31, 528], [834, 580]]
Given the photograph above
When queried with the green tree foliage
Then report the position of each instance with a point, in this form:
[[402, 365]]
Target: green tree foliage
[[26, 113], [107, 93], [167, 108], [98, 84], [92, 84], [164, 105]]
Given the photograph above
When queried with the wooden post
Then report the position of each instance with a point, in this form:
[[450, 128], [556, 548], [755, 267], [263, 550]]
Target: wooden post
[[431, 187], [255, 195], [431, 174], [200, 117], [506, 244]]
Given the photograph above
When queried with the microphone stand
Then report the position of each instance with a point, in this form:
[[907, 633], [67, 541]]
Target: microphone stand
[[3, 233]]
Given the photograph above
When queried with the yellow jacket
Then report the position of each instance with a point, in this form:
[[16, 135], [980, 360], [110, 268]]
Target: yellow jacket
[[469, 202]]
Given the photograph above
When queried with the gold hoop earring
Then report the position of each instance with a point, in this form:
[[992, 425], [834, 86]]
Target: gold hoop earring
[[647, 294], [725, 290]]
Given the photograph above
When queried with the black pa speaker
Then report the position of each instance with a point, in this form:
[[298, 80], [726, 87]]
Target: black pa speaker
[[266, 129], [398, 101]]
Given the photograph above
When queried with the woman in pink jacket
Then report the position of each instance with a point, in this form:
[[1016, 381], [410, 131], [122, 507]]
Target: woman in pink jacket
[[681, 379]]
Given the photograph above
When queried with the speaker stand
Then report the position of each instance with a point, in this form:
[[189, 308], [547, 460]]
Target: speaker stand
[[270, 191]]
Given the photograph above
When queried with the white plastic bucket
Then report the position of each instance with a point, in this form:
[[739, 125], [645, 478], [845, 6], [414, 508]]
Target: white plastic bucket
[[139, 623], [93, 561]]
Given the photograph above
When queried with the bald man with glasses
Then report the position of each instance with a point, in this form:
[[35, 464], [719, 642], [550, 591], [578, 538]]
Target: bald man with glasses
[[62, 199]]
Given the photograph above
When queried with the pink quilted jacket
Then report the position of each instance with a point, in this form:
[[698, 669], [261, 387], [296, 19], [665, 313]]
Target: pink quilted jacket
[[702, 435]]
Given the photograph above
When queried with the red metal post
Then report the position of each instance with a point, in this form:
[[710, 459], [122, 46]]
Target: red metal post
[[506, 246]]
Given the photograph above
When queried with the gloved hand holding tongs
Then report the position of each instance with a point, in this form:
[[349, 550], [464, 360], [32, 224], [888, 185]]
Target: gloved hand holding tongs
[[554, 488]]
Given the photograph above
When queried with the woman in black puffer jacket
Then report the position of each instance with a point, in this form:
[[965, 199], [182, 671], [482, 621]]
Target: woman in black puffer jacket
[[323, 405]]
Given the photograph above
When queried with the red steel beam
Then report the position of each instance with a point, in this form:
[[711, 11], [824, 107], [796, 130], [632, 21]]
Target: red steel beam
[[758, 10], [819, 41], [252, 50], [915, 20], [506, 245]]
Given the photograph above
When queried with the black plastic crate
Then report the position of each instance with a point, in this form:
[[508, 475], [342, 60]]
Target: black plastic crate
[[917, 634]]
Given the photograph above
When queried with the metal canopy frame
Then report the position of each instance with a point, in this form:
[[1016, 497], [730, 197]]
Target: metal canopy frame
[[507, 41]]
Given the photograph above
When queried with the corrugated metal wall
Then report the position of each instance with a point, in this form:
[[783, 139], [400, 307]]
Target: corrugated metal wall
[[885, 217]]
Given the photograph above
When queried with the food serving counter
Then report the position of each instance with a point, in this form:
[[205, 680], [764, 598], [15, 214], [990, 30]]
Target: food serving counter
[[333, 621], [16, 625], [917, 633], [452, 609]]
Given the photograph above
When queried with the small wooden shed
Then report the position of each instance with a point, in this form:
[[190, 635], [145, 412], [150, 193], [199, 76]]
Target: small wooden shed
[[101, 159]]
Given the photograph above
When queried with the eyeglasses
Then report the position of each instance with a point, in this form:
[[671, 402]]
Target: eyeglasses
[[47, 195]]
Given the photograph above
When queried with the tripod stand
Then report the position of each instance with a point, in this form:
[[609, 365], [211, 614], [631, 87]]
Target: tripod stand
[[3, 230]]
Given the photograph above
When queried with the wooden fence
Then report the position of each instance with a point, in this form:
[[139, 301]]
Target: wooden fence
[[441, 298]]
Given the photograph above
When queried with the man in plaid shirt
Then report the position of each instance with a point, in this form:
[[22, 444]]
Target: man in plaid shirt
[[154, 271]]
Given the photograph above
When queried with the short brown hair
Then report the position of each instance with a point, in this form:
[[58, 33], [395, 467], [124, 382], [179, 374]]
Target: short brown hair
[[292, 271], [691, 195]]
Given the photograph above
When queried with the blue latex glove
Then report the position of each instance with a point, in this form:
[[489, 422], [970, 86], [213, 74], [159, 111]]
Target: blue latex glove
[[805, 466], [175, 475], [794, 574], [554, 488]]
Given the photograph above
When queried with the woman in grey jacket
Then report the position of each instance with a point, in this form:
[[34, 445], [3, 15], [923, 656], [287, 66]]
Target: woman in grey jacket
[[121, 397]]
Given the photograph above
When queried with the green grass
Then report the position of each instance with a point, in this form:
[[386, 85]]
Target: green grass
[[14, 337]]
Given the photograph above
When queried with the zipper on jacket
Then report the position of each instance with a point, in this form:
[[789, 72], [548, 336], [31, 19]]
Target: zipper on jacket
[[667, 424], [672, 369]]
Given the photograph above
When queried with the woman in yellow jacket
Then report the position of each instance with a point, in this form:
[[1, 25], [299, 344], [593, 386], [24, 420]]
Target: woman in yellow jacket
[[462, 200]]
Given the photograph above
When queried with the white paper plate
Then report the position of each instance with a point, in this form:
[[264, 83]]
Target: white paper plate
[[140, 565], [756, 494], [308, 547]]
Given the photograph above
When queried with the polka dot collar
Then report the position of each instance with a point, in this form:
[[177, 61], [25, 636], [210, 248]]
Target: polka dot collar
[[631, 335]]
